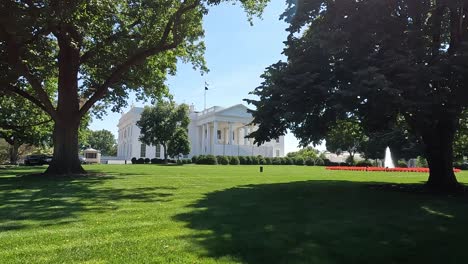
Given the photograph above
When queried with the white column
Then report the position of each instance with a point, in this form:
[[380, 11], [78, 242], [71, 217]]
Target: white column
[[203, 139], [245, 134], [208, 137], [215, 137], [230, 133]]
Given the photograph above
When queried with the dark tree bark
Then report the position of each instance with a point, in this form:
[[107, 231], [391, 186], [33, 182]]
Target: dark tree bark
[[14, 147], [65, 136], [165, 154], [65, 159], [439, 153]]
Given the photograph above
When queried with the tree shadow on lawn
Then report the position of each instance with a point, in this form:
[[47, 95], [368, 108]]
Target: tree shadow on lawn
[[52, 201], [328, 222]]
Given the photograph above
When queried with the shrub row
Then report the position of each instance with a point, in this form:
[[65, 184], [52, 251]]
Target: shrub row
[[254, 160], [159, 161]]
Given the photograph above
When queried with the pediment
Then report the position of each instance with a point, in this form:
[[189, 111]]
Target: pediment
[[235, 111]]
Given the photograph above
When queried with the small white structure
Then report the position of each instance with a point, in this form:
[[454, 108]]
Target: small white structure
[[92, 155], [215, 131]]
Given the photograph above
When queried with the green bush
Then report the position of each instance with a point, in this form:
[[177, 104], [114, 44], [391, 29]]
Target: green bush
[[402, 164], [319, 162], [180, 162], [147, 160], [309, 162], [276, 161], [200, 159], [242, 160], [288, 161], [299, 161], [268, 161], [194, 159], [261, 160], [248, 160], [140, 161], [157, 161], [223, 160], [234, 160], [134, 160], [207, 160], [364, 163], [254, 160], [421, 162]]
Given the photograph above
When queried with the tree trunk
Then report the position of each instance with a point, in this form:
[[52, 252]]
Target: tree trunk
[[65, 159], [165, 154], [439, 153], [67, 122], [14, 152]]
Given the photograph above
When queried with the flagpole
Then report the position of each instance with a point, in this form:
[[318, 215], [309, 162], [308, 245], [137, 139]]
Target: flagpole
[[205, 100]]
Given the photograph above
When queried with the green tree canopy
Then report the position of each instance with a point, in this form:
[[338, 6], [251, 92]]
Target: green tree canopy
[[99, 52], [159, 124], [179, 144], [305, 153], [21, 122], [374, 61], [104, 141], [346, 135]]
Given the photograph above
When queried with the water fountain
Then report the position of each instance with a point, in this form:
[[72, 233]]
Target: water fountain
[[388, 163]]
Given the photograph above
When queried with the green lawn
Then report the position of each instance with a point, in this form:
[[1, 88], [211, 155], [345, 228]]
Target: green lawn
[[226, 214]]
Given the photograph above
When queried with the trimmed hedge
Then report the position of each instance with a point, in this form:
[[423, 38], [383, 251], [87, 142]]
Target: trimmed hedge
[[223, 160], [234, 160], [299, 161]]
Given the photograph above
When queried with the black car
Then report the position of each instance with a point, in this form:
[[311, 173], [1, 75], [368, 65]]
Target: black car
[[32, 160]]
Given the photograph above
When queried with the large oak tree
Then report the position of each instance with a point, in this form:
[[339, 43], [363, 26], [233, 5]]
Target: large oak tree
[[100, 51], [375, 61]]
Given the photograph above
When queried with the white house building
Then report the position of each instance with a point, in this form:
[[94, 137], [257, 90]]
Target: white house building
[[215, 131]]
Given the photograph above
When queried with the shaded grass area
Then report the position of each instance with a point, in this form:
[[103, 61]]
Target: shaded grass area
[[226, 214]]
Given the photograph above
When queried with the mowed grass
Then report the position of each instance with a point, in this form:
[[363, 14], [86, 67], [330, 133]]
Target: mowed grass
[[227, 214]]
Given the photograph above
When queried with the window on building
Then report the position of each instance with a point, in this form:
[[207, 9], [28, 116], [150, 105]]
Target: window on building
[[233, 137], [143, 151], [219, 134], [277, 140], [158, 151], [277, 153], [91, 155]]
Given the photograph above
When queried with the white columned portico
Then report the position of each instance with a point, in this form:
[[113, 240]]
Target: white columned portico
[[230, 133]]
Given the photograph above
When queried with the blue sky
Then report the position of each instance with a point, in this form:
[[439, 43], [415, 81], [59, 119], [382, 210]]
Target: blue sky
[[236, 54]]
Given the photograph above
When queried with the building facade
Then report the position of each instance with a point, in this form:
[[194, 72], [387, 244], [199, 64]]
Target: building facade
[[215, 131]]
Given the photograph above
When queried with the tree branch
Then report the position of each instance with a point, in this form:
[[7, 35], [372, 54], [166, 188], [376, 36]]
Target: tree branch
[[14, 57], [14, 127], [140, 56], [92, 52], [27, 96]]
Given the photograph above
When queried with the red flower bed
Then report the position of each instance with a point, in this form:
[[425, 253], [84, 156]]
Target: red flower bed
[[347, 168]]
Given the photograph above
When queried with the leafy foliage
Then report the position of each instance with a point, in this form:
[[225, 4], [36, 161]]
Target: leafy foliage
[[21, 122], [374, 61], [164, 123], [104, 141], [179, 144], [97, 53], [345, 135]]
